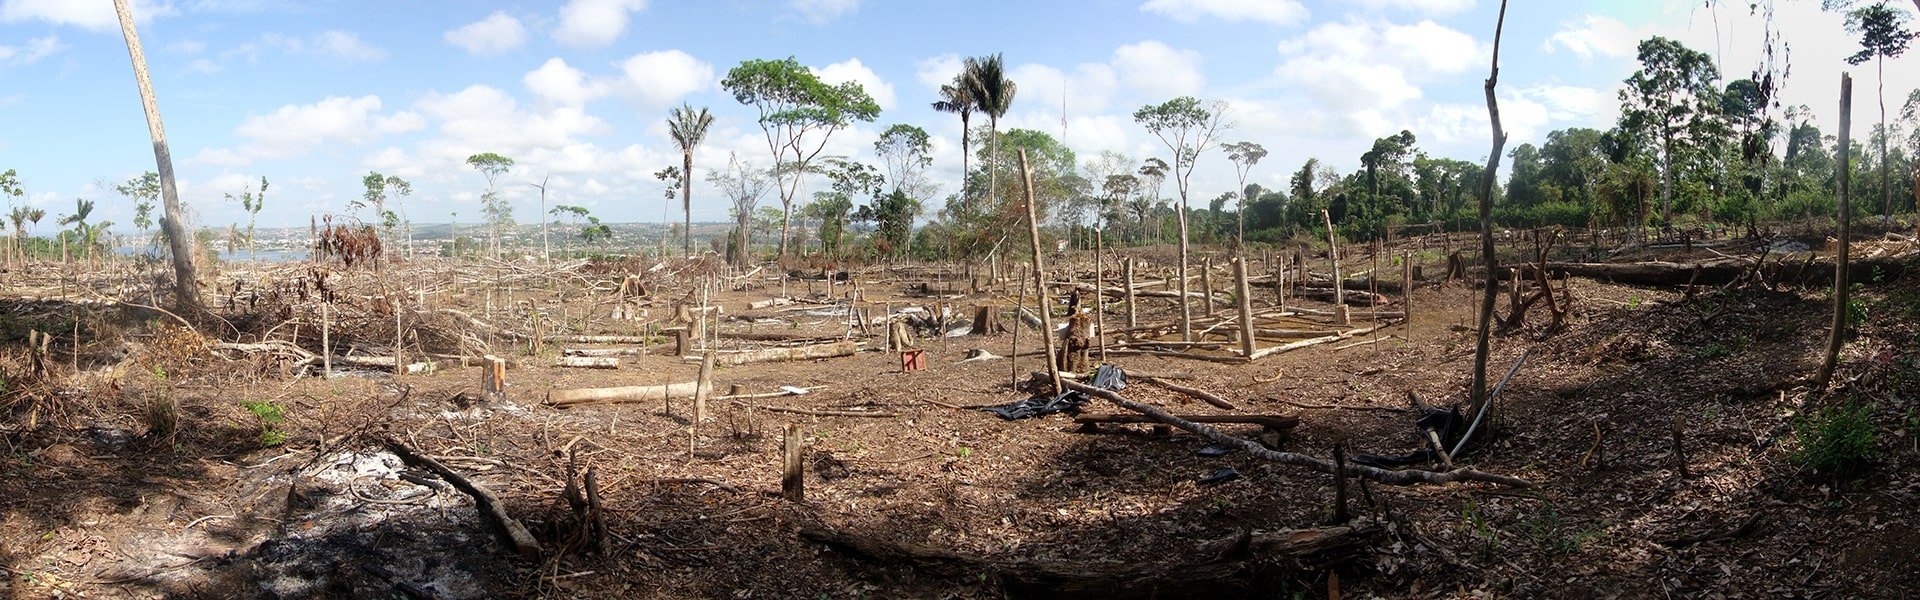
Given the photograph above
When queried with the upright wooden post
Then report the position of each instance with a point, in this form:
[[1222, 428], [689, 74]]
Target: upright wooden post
[[703, 388], [326, 340], [793, 482], [1837, 337], [1340, 514], [1406, 290], [1099, 292], [399, 343], [493, 379], [1246, 306], [1039, 278], [1206, 284], [1333, 258], [1132, 312]]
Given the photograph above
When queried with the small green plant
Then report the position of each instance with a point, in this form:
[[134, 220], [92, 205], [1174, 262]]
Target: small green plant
[[1481, 528], [1838, 441], [1634, 302], [270, 416], [963, 452], [163, 413], [1547, 529]]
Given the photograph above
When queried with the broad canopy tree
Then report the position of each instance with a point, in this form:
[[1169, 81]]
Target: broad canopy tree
[[1187, 127], [798, 113], [1671, 99]]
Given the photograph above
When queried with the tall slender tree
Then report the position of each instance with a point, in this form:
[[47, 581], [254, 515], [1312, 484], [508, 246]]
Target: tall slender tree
[[499, 214], [992, 95], [1244, 156], [1673, 99], [186, 282], [1187, 128], [1883, 35], [957, 98], [688, 128]]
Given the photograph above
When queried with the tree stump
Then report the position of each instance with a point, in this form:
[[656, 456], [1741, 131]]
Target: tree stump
[[986, 320]]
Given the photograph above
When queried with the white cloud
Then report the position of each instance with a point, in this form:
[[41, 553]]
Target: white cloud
[[188, 47], [1361, 72], [1594, 36], [1425, 7], [821, 12], [30, 52], [595, 23], [1158, 70], [852, 70], [347, 46], [203, 66], [564, 85], [937, 71], [333, 44], [1277, 12], [496, 34], [658, 79], [88, 14], [1089, 89], [296, 129]]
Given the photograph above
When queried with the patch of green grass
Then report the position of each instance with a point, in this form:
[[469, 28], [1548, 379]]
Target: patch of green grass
[[1838, 441], [1547, 529]]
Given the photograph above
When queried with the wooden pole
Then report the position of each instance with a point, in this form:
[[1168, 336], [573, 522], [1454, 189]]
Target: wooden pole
[[1406, 290], [1099, 282], [1133, 315], [326, 341], [793, 482], [1837, 337], [1039, 277], [1206, 285], [1246, 307], [1340, 485], [704, 389], [1333, 259]]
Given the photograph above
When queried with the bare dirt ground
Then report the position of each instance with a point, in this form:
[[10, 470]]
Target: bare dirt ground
[[94, 503]]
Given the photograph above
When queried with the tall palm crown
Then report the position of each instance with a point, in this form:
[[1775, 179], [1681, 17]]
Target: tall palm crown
[[957, 98], [986, 80], [688, 128]]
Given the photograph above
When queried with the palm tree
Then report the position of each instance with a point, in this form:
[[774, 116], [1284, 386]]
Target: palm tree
[[186, 288], [82, 207], [957, 98], [992, 94], [687, 128]]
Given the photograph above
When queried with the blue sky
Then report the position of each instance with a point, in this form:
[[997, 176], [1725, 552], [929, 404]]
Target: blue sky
[[313, 94]]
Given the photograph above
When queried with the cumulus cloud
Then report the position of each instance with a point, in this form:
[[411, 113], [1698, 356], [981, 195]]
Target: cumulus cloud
[[89, 15], [821, 12], [595, 23], [1088, 89], [1158, 70], [294, 130], [1361, 71], [1425, 7], [852, 70], [496, 34], [559, 83], [937, 71], [30, 52], [331, 45], [1593, 36], [661, 78], [1277, 12]]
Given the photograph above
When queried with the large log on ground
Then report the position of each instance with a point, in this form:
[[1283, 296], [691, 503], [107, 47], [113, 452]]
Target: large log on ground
[[796, 353], [631, 393], [1719, 272], [1228, 568], [587, 362]]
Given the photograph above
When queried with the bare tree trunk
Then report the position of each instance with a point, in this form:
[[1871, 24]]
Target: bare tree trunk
[[1484, 344], [686, 201], [1186, 306], [1837, 337], [1040, 277], [186, 288]]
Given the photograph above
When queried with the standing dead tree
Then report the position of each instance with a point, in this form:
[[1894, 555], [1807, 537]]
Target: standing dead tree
[[186, 282], [1484, 343], [1837, 337]]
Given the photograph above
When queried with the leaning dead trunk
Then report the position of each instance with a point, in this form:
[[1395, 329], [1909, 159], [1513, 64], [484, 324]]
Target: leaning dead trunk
[[186, 284]]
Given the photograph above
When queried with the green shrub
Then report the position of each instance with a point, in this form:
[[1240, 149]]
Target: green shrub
[[1839, 441]]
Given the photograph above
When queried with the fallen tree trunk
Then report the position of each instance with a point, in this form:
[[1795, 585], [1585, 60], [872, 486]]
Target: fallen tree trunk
[[631, 393], [1266, 352], [599, 351], [1401, 477], [516, 534], [1225, 572], [1192, 392], [601, 339], [1716, 272], [796, 353], [587, 362]]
